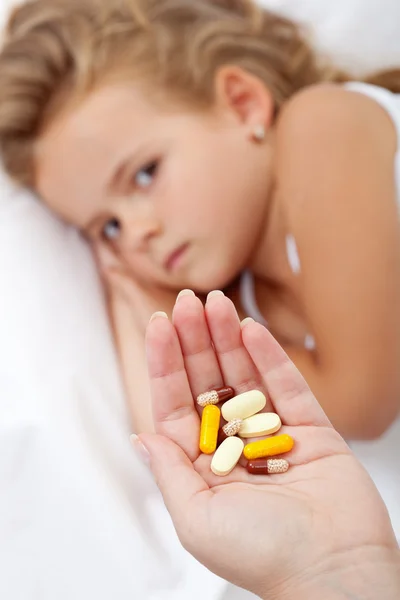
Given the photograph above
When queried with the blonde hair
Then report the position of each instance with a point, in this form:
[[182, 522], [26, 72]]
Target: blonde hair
[[58, 50]]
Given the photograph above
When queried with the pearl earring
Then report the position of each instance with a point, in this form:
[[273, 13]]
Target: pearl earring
[[259, 133]]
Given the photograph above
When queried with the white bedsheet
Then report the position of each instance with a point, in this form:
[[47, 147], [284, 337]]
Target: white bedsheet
[[80, 516]]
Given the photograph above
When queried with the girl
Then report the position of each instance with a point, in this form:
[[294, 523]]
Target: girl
[[201, 144]]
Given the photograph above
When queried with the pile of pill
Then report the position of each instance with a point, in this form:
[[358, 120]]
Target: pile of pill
[[243, 420]]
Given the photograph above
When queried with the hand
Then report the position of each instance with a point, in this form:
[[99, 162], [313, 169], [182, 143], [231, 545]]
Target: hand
[[120, 283], [130, 307], [275, 534]]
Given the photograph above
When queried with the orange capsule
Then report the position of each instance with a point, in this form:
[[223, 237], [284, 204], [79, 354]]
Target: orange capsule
[[278, 444], [209, 429]]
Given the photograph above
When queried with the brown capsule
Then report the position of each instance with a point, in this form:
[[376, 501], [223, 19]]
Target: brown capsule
[[264, 466], [233, 427], [221, 436], [215, 396]]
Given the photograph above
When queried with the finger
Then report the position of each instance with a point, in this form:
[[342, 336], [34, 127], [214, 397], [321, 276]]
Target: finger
[[199, 355], [114, 276], [106, 258], [174, 412], [177, 480], [289, 392], [237, 367]]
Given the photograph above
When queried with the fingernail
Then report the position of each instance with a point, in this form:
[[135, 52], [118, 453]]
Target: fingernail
[[185, 293], [157, 315], [140, 449], [215, 293], [246, 322]]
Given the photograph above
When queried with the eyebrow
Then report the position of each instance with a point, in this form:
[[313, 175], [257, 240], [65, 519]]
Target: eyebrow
[[112, 186], [115, 181], [135, 158]]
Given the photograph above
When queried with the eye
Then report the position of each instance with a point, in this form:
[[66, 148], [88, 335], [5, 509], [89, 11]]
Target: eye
[[111, 230], [144, 178]]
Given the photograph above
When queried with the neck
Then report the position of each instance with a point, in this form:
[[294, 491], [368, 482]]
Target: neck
[[269, 261]]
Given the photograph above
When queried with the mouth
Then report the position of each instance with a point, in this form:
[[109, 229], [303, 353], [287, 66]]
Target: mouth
[[174, 259]]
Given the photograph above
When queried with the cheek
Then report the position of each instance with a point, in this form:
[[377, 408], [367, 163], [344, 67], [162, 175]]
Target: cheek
[[198, 199], [181, 199], [205, 191], [140, 269], [196, 213]]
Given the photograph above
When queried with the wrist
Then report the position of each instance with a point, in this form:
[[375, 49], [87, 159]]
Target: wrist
[[360, 574]]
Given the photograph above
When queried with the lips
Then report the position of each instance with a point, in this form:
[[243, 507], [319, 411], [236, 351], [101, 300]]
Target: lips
[[174, 258]]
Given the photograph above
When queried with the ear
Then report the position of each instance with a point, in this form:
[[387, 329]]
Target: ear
[[244, 95]]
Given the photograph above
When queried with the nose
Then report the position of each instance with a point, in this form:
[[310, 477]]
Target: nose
[[140, 223], [139, 233]]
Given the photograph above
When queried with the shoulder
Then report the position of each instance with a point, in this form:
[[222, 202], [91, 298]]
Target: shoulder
[[332, 145], [328, 114]]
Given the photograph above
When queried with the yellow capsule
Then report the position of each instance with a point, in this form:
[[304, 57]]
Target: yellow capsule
[[209, 429], [278, 444]]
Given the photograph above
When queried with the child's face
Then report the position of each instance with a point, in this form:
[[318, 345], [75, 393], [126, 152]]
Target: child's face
[[180, 195]]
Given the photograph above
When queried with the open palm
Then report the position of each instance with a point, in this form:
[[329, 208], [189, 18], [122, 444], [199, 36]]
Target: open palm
[[260, 532]]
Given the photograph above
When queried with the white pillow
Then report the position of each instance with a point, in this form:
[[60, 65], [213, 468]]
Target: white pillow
[[360, 35], [80, 517]]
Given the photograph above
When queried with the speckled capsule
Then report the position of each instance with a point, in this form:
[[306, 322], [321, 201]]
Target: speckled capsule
[[215, 396], [209, 429], [267, 466], [233, 427], [277, 444]]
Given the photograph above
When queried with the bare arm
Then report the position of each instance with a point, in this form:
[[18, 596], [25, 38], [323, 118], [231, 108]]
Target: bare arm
[[129, 340], [369, 574], [338, 186]]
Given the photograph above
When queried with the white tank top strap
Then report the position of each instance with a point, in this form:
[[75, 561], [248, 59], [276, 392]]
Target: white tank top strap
[[387, 99], [391, 103], [249, 304], [248, 297], [247, 283], [293, 254]]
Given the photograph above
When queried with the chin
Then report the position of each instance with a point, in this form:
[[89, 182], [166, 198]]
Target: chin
[[215, 279]]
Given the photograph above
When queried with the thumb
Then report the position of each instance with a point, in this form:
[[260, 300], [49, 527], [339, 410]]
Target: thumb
[[174, 474]]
